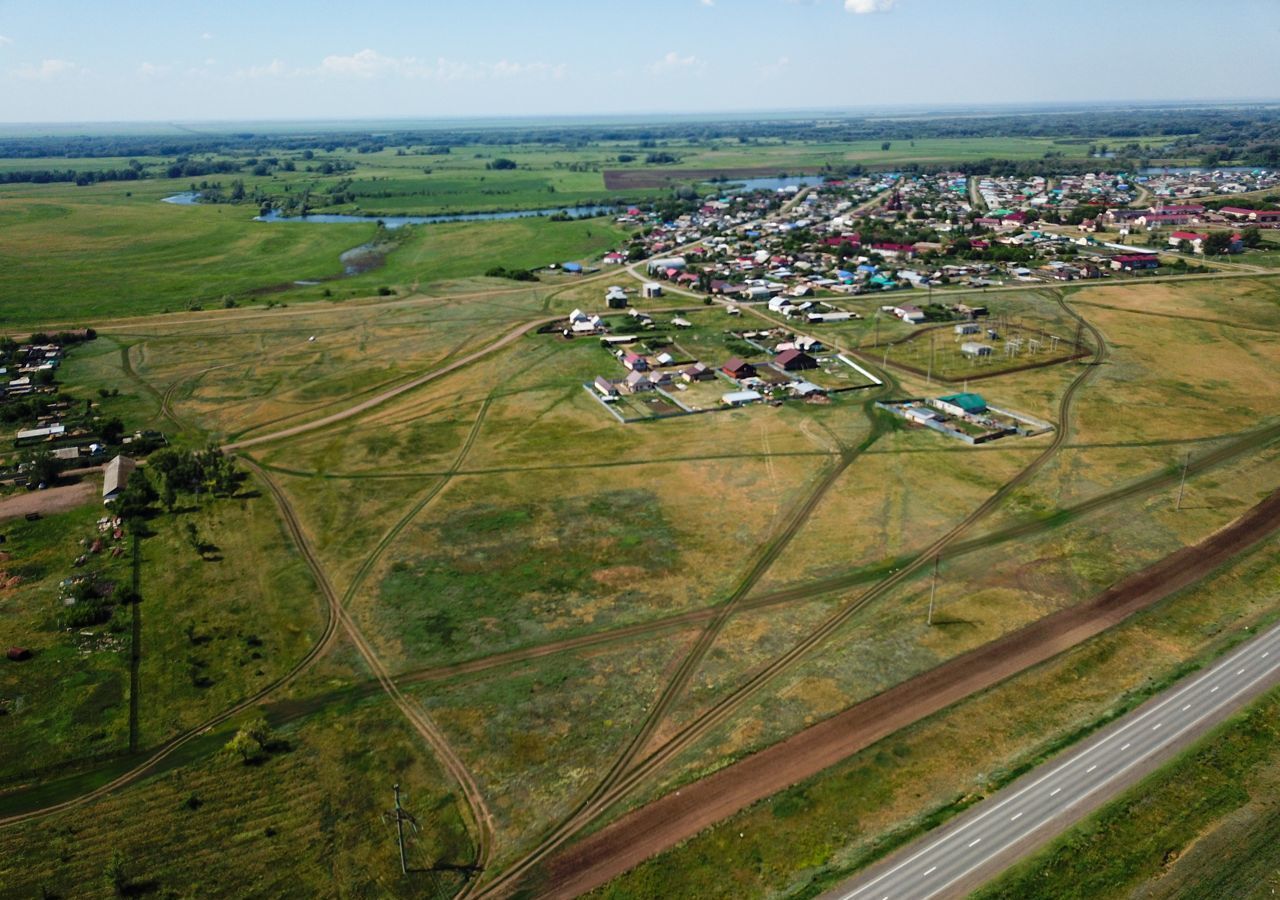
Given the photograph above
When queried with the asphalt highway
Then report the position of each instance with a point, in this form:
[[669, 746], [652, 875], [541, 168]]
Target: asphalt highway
[[979, 844]]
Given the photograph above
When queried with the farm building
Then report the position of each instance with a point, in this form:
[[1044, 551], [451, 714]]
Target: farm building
[[697, 372], [651, 289], [795, 360], [968, 328], [909, 313], [737, 369], [1128, 262], [616, 298], [637, 382], [573, 268], [961, 404], [116, 477], [738, 398], [681, 322], [974, 350], [605, 388], [634, 361]]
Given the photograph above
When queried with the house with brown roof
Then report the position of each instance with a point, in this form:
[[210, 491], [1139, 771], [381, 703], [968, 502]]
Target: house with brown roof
[[737, 369]]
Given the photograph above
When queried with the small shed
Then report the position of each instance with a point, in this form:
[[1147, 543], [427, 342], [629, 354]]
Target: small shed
[[651, 289], [738, 398], [974, 350]]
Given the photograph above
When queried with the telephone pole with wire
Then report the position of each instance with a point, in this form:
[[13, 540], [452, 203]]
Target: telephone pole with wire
[[933, 590], [401, 816]]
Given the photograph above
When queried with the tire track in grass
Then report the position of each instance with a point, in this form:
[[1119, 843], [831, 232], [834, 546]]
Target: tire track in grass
[[621, 783]]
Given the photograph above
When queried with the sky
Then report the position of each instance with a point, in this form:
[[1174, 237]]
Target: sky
[[233, 60]]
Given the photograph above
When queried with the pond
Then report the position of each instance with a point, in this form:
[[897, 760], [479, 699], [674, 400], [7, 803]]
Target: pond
[[189, 198], [770, 184]]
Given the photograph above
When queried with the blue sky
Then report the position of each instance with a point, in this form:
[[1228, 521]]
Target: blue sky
[[108, 60]]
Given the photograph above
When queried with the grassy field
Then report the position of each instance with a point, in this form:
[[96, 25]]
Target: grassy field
[[212, 628], [317, 801], [83, 255]]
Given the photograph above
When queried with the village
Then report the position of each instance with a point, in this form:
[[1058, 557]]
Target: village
[[889, 232]]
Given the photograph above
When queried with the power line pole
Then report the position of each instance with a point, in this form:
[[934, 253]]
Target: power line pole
[[401, 816], [928, 378], [933, 590], [1183, 487]]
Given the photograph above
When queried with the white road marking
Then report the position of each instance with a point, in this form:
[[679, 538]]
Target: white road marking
[[1265, 655], [1239, 671], [1157, 725], [975, 843], [931, 871], [1214, 689], [1126, 746], [1187, 707], [1015, 817], [1090, 769], [1055, 792]]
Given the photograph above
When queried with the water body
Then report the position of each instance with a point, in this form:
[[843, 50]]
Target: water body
[[397, 221], [772, 184], [190, 198]]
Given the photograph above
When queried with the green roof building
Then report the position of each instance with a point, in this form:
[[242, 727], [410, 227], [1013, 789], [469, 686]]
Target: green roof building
[[972, 404]]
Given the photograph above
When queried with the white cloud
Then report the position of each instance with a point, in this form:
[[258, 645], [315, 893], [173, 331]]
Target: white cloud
[[274, 69], [862, 7], [370, 63], [707, 2], [363, 64], [5, 40], [674, 62], [48, 68], [151, 70], [207, 36]]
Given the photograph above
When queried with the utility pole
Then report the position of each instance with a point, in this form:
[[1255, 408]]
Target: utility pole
[[933, 590], [1183, 487], [929, 377], [401, 816]]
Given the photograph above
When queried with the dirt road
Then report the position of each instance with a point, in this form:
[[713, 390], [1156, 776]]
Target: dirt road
[[47, 502], [680, 815]]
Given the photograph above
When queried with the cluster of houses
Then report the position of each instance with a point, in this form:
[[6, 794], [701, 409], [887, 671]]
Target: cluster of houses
[[1193, 182], [21, 374]]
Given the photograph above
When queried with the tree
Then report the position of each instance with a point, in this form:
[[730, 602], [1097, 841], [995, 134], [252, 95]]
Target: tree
[[41, 466], [1216, 243], [251, 741], [113, 431], [116, 873], [885, 146], [135, 500]]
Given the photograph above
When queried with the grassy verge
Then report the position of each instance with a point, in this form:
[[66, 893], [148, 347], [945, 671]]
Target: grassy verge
[[1141, 836]]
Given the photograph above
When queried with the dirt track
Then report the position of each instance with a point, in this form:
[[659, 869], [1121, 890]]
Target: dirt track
[[680, 815], [47, 502]]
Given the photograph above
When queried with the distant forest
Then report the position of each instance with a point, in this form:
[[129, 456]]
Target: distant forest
[[1214, 136]]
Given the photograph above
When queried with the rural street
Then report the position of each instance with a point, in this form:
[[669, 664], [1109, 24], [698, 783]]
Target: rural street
[[979, 844]]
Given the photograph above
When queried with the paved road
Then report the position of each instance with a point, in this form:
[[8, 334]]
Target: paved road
[[1043, 803]]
